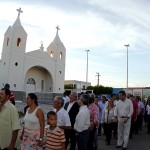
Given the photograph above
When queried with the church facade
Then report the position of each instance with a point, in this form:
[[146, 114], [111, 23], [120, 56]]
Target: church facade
[[37, 71]]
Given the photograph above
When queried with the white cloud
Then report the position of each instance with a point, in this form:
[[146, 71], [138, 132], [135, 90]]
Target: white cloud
[[101, 26]]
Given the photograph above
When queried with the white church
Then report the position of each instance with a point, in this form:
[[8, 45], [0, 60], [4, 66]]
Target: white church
[[38, 71]]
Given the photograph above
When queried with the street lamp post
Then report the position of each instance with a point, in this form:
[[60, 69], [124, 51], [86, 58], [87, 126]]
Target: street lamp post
[[87, 68], [127, 64]]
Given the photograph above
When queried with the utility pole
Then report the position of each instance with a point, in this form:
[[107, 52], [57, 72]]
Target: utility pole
[[87, 67], [98, 75]]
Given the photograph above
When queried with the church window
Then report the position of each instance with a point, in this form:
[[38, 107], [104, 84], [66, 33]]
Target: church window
[[42, 85], [31, 81], [7, 41], [60, 72], [51, 54], [18, 42], [16, 64], [60, 55]]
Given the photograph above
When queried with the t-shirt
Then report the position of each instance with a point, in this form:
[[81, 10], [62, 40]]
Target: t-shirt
[[9, 121], [55, 138]]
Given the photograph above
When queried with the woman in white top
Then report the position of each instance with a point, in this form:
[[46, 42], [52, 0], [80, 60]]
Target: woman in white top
[[33, 130], [108, 120]]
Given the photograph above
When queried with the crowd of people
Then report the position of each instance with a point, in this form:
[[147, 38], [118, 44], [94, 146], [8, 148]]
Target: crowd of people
[[74, 123]]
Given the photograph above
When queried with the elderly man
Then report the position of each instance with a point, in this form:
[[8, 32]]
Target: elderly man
[[63, 120], [82, 122], [72, 108], [123, 112], [9, 122]]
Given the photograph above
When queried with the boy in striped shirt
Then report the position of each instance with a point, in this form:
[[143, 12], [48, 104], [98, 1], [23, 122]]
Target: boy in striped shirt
[[55, 135]]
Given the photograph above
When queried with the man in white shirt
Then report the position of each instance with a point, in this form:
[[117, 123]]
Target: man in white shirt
[[82, 122], [123, 112], [66, 98], [63, 120]]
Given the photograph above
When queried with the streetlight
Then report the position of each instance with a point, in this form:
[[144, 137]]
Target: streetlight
[[127, 63], [87, 68]]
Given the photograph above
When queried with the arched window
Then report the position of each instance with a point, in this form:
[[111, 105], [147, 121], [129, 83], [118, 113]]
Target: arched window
[[51, 54], [42, 85], [18, 42], [60, 56], [7, 41], [31, 81]]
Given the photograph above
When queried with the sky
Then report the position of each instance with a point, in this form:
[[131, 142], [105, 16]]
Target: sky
[[101, 26]]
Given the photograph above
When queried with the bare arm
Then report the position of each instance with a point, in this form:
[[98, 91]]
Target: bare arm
[[13, 140], [40, 115]]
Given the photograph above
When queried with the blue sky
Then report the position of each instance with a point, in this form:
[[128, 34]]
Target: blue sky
[[102, 26]]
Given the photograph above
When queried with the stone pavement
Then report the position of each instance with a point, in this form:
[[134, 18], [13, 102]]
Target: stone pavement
[[140, 141]]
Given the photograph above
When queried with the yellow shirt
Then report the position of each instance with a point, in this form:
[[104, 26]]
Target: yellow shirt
[[9, 121]]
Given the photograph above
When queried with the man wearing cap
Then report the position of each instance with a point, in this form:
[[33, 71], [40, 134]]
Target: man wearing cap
[[123, 112]]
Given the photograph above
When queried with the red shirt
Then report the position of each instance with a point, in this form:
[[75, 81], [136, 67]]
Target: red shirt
[[135, 109], [11, 98]]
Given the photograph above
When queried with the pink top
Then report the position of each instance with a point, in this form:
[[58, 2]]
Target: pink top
[[94, 111]]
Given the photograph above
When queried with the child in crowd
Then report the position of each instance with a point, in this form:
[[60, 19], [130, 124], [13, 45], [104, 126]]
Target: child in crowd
[[55, 135]]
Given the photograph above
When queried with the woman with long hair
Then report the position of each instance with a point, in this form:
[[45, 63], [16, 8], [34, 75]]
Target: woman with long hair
[[33, 130], [108, 120]]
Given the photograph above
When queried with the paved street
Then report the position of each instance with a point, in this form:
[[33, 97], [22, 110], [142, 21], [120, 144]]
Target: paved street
[[139, 142]]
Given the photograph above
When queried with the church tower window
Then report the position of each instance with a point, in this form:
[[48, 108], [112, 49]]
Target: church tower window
[[18, 42], [60, 55], [51, 54], [7, 41]]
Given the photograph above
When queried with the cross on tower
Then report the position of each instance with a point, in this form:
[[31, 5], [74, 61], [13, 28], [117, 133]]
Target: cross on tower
[[57, 28], [19, 11]]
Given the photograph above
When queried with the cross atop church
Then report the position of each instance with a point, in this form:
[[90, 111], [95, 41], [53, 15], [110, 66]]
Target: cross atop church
[[57, 28], [19, 11]]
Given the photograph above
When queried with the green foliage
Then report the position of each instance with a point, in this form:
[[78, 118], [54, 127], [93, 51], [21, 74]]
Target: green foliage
[[101, 89], [68, 86], [21, 114]]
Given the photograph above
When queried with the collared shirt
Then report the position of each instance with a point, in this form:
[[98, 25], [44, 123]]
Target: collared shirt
[[63, 117], [82, 119], [9, 121], [124, 108], [70, 105], [102, 107], [66, 99], [94, 112], [140, 107]]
